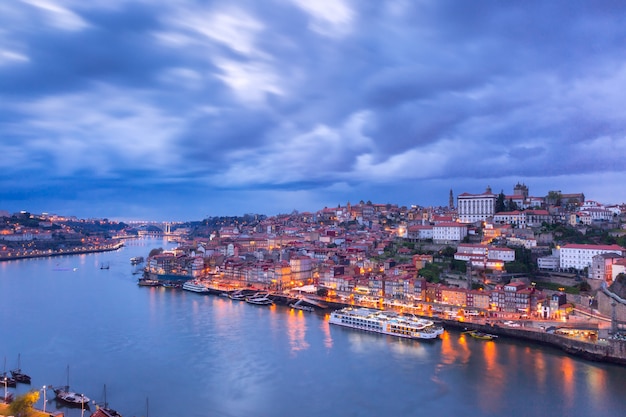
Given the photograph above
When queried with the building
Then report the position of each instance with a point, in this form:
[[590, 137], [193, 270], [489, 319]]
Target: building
[[602, 266], [449, 232], [550, 262], [419, 232], [484, 256], [579, 256], [476, 207]]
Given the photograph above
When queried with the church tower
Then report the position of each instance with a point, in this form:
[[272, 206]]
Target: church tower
[[451, 201]]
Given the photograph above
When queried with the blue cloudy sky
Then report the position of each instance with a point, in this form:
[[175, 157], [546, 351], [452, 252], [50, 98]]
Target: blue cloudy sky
[[180, 109]]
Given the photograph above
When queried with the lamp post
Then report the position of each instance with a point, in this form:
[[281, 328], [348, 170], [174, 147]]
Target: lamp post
[[5, 389], [44, 398], [82, 405]]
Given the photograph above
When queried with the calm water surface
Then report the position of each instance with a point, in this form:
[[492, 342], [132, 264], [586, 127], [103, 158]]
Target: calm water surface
[[163, 352]]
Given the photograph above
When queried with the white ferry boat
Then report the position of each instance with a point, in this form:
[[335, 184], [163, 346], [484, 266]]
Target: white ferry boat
[[195, 286], [385, 322]]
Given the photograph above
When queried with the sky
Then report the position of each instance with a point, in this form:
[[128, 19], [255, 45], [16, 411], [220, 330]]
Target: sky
[[183, 109]]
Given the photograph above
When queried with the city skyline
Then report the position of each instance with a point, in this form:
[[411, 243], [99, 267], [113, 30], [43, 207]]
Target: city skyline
[[193, 109]]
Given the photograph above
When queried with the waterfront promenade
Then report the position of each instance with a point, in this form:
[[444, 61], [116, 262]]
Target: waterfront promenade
[[62, 252], [4, 412]]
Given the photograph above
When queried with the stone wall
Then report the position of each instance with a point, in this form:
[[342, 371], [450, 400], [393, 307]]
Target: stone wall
[[604, 306]]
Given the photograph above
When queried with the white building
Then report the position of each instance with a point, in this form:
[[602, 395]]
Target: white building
[[484, 256], [579, 256], [476, 207], [450, 232], [420, 232]]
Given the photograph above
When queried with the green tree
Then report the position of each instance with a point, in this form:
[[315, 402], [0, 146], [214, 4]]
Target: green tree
[[155, 252], [554, 198], [448, 252], [22, 405], [457, 265], [430, 272], [500, 202]]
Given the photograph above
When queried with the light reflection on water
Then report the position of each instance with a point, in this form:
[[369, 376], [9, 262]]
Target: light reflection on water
[[197, 355]]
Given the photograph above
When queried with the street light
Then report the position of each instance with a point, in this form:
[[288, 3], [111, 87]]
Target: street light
[[5, 389], [44, 399]]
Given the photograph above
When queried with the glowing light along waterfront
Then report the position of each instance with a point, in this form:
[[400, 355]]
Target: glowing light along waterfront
[[197, 355]]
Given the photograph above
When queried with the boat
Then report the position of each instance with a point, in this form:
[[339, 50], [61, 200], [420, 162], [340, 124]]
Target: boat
[[299, 306], [260, 299], [238, 296], [68, 397], [136, 260], [384, 322], [147, 282], [71, 398], [195, 286], [7, 381], [104, 410], [104, 266], [241, 295], [18, 375], [481, 335]]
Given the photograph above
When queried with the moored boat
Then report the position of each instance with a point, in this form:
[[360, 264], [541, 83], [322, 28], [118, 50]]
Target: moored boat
[[299, 306], [7, 380], [387, 323], [71, 398], [104, 410], [147, 282], [68, 397], [18, 375], [136, 260], [241, 295], [481, 335], [260, 299], [196, 286]]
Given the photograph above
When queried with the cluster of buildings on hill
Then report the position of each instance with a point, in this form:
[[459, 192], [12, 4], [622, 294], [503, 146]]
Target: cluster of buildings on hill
[[346, 249], [380, 248], [27, 235]]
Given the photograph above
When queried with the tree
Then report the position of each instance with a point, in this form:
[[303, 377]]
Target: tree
[[154, 252], [448, 252], [22, 405], [430, 272], [500, 202], [554, 198]]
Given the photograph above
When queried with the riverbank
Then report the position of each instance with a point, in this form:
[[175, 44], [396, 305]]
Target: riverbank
[[63, 252], [600, 350], [4, 411], [603, 350]]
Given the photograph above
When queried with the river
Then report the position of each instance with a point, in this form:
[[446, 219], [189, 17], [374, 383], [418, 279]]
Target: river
[[164, 352]]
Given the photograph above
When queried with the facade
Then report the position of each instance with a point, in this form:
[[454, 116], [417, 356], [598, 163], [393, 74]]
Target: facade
[[484, 256], [419, 232], [602, 266], [549, 263], [450, 232], [579, 256], [476, 207], [301, 268]]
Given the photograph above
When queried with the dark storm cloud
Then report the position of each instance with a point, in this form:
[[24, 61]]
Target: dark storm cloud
[[294, 102]]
